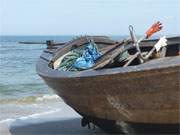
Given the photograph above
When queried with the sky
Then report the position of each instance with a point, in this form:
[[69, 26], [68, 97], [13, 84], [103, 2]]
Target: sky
[[90, 17]]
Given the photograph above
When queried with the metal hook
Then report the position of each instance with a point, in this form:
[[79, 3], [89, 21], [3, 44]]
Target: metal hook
[[131, 28], [133, 37]]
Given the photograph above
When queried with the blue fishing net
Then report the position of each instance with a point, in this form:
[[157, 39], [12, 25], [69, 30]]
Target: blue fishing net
[[88, 58], [85, 58], [80, 59]]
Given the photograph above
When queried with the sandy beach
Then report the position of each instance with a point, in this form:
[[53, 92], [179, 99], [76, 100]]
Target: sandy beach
[[66, 121], [59, 121]]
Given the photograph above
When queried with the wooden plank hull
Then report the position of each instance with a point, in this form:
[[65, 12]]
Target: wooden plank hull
[[148, 93]]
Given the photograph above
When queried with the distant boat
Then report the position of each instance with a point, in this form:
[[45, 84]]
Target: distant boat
[[138, 93]]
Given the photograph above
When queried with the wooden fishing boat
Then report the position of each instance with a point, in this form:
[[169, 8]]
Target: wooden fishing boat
[[138, 93]]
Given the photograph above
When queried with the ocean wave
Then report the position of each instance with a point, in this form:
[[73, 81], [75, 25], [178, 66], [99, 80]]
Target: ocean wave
[[31, 99], [47, 97], [12, 89]]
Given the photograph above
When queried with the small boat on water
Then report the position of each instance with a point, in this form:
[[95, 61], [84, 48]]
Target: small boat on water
[[136, 93]]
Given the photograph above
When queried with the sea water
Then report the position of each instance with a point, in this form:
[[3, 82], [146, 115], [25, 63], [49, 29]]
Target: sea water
[[22, 91]]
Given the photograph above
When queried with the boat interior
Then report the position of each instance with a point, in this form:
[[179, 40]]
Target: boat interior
[[167, 51], [146, 54]]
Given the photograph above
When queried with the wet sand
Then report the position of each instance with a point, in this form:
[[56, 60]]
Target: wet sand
[[64, 127], [61, 122]]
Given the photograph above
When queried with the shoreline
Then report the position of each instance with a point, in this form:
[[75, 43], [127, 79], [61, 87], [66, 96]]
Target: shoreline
[[61, 121]]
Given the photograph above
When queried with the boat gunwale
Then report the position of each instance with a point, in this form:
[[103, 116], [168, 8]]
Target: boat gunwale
[[44, 70]]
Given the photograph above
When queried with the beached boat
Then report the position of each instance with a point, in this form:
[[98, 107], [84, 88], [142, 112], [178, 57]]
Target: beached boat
[[137, 93]]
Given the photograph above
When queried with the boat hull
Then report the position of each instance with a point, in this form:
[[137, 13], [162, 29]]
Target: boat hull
[[150, 96], [148, 93]]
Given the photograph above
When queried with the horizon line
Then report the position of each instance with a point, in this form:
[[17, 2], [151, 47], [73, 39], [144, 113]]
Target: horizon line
[[79, 35]]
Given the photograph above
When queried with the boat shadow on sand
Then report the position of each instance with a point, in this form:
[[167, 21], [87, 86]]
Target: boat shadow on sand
[[69, 126], [72, 126]]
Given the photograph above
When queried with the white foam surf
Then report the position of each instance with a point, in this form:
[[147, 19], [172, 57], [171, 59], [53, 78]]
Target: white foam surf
[[48, 97], [31, 99], [32, 116]]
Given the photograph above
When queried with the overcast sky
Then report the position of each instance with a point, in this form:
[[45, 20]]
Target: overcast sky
[[78, 17]]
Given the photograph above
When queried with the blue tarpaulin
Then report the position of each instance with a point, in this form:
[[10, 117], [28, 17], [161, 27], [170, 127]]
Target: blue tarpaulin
[[88, 58]]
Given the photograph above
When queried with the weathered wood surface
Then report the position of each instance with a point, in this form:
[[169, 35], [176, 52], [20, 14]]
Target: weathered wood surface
[[149, 96], [147, 93], [131, 58], [79, 42], [109, 56]]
